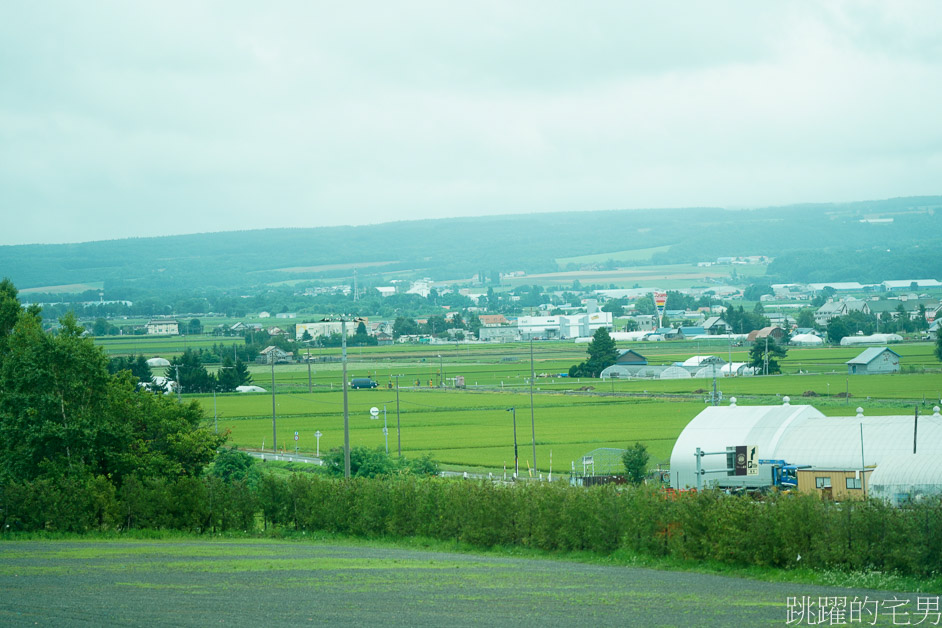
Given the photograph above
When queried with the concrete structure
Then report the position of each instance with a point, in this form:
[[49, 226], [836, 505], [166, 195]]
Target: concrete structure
[[874, 360], [563, 327], [499, 333], [163, 328]]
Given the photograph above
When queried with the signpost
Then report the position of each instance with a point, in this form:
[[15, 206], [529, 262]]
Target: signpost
[[318, 435], [296, 443]]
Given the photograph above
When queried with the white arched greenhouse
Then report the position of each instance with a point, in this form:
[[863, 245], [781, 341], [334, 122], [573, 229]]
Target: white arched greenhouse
[[911, 477], [798, 435]]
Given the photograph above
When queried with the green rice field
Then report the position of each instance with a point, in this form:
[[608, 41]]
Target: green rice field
[[472, 428]]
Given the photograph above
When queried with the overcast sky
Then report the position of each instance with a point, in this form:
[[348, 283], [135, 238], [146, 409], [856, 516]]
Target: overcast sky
[[123, 119]]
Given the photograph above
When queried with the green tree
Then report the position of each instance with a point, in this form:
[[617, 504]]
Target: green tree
[[837, 330], [193, 376], [764, 355], [602, 354], [63, 413], [194, 327], [805, 318], [635, 460], [232, 465], [404, 326], [938, 345]]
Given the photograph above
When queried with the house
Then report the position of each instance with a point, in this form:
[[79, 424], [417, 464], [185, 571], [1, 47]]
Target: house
[[272, 354], [646, 322], [163, 328], [493, 319], [775, 333], [833, 309], [630, 357], [715, 326], [874, 360]]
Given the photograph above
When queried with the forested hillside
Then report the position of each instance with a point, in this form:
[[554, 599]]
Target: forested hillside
[[811, 241]]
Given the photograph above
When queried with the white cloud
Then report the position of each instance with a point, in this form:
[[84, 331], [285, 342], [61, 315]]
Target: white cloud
[[222, 115]]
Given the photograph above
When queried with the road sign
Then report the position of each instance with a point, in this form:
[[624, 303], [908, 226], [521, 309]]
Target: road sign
[[743, 460], [374, 412], [295, 436]]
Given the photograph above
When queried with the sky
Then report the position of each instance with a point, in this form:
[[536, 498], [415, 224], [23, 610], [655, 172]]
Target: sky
[[129, 119]]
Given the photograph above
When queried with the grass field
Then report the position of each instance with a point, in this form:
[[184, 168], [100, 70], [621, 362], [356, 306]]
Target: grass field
[[667, 277], [632, 255], [325, 581], [471, 428]]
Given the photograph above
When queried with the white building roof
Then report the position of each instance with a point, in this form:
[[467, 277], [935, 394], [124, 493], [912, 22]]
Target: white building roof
[[799, 435]]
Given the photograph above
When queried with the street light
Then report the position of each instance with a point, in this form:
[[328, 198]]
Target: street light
[[516, 463]]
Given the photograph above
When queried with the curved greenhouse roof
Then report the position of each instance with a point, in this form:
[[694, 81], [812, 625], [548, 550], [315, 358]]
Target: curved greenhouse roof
[[807, 339], [799, 435], [158, 361], [900, 479], [875, 339]]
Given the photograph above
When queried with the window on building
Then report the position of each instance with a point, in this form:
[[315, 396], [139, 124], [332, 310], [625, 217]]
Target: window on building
[[853, 483], [822, 482]]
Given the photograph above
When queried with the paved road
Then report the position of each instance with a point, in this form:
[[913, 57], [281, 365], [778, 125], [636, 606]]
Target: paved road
[[264, 582]]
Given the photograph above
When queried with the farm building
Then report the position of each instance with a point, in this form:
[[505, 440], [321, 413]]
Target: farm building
[[272, 354], [806, 340], [715, 326], [775, 333], [836, 484], [801, 437], [905, 478], [874, 360], [158, 361], [163, 328], [875, 339]]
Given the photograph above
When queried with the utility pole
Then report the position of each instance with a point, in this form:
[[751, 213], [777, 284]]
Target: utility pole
[[179, 387], [310, 386], [274, 430], [398, 432], [346, 411], [532, 423], [766, 355], [513, 411]]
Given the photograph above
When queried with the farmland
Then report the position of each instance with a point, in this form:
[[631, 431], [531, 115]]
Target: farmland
[[472, 428]]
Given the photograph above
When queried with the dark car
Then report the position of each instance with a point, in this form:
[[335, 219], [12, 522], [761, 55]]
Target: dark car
[[362, 382]]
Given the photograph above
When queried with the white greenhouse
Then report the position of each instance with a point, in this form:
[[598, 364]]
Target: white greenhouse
[[906, 478], [799, 435]]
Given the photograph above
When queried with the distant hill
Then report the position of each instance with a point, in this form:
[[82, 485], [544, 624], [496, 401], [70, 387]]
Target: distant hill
[[460, 247]]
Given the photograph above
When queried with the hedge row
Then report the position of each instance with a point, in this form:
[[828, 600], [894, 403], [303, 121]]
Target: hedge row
[[554, 517]]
